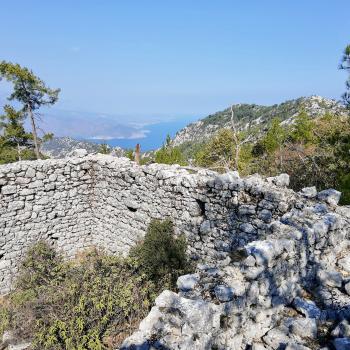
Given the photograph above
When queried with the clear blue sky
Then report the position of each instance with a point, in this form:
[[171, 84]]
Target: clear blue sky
[[143, 58]]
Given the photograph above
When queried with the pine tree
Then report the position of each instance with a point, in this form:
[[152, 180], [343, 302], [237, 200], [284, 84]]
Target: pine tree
[[30, 91], [346, 66]]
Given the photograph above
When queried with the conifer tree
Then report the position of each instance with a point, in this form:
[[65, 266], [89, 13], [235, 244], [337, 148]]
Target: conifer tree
[[30, 91], [346, 66]]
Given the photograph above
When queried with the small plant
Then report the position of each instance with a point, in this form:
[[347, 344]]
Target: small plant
[[104, 148]]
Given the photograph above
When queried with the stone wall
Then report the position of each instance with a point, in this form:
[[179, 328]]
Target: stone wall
[[215, 212], [108, 202]]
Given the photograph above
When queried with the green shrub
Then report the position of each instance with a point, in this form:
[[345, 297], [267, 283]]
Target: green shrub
[[170, 155], [345, 189], [104, 148], [41, 266], [161, 254]]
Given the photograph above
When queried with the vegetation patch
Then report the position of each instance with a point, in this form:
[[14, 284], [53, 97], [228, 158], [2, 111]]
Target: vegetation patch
[[95, 301], [313, 151]]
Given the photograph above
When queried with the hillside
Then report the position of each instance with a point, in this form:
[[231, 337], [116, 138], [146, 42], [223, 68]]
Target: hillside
[[252, 115], [60, 147]]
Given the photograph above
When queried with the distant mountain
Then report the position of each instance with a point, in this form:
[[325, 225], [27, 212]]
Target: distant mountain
[[247, 116], [59, 147]]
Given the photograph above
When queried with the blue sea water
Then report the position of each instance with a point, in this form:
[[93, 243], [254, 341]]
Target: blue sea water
[[154, 138]]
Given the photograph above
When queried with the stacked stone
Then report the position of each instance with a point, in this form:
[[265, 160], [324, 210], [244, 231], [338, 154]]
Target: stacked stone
[[46, 199], [215, 212]]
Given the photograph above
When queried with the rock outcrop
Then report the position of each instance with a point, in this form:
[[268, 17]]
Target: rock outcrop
[[257, 116]]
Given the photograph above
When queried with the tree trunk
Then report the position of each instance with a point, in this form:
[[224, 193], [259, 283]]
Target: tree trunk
[[137, 154], [35, 135], [19, 152], [237, 150], [281, 158]]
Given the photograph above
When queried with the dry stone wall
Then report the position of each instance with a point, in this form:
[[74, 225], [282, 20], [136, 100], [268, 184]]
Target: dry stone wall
[[215, 212], [108, 202], [105, 201]]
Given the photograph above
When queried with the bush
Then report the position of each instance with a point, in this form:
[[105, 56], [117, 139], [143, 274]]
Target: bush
[[218, 153], [169, 155], [161, 255], [40, 267], [93, 302]]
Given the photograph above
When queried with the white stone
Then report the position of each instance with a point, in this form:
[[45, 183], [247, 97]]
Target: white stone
[[309, 192], [30, 173], [344, 263], [330, 196], [307, 308], [9, 189], [304, 327], [187, 282], [224, 293]]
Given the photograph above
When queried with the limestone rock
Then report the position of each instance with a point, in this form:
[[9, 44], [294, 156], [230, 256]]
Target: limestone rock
[[79, 152], [307, 308], [295, 346], [224, 293], [309, 192], [330, 196], [304, 327], [187, 282], [329, 278], [347, 288], [344, 263], [341, 343], [342, 330]]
